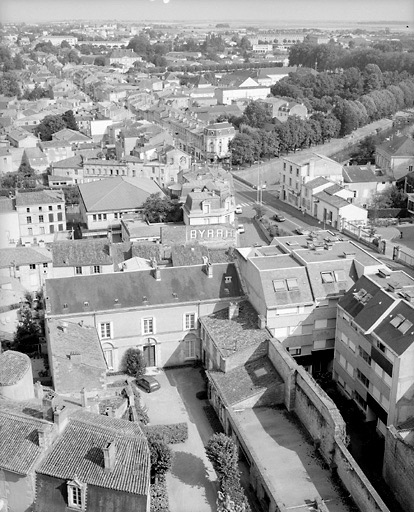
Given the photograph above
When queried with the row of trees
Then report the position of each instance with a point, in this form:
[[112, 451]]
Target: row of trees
[[332, 56], [162, 209]]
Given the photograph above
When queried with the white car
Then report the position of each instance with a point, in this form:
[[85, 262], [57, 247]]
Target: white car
[[240, 228], [239, 209]]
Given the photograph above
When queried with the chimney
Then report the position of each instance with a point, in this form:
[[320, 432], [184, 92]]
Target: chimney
[[109, 452], [84, 398], [261, 322], [47, 405], [60, 417], [43, 436], [38, 390], [233, 310]]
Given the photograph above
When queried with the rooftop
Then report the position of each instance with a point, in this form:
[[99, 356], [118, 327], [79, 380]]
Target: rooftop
[[20, 256], [13, 366], [235, 335], [77, 253], [79, 452], [39, 197], [105, 292]]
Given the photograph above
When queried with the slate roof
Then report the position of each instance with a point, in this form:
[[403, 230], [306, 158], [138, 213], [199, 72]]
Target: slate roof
[[39, 197], [99, 291], [246, 381], [234, 335], [316, 182], [337, 269], [392, 336], [13, 366], [79, 453], [19, 445], [21, 256], [335, 201], [399, 146], [118, 193], [360, 174], [77, 253]]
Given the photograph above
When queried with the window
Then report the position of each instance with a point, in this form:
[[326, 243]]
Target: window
[[30, 231], [41, 218], [206, 208], [340, 276], [32, 266], [109, 355], [75, 495], [405, 326], [365, 356], [28, 210], [45, 265], [327, 277], [50, 208], [147, 326], [397, 321], [321, 324], [59, 207], [51, 217], [294, 351], [292, 284], [60, 227], [189, 321], [105, 330], [351, 345], [359, 400], [78, 271], [94, 218], [40, 208], [28, 220], [381, 346], [279, 285], [362, 378], [96, 269], [59, 218], [190, 348]]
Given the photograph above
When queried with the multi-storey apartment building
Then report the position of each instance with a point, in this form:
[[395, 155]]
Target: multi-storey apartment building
[[295, 285], [374, 349]]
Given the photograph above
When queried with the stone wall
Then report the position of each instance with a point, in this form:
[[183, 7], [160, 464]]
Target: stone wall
[[399, 468], [321, 418]]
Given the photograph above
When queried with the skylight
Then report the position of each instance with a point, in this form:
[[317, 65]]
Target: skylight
[[327, 277], [279, 285], [340, 276], [405, 326], [292, 283], [397, 321]]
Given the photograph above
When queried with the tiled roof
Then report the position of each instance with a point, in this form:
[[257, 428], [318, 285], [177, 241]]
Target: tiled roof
[[13, 366], [130, 289], [234, 335], [117, 193], [77, 253], [335, 201], [79, 453], [73, 162], [70, 136], [67, 337], [246, 381], [399, 146], [40, 197], [19, 445], [20, 256]]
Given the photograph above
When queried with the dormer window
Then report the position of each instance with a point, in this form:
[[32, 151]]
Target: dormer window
[[76, 494]]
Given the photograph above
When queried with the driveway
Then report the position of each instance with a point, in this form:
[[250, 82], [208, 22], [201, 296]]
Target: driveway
[[191, 482]]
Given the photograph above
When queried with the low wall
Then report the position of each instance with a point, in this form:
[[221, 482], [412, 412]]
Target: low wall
[[399, 468], [263, 230]]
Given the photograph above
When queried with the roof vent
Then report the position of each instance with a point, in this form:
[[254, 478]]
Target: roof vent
[[384, 272], [393, 286], [349, 255], [408, 295]]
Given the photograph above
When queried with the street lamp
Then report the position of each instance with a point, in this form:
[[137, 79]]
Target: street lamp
[[259, 195]]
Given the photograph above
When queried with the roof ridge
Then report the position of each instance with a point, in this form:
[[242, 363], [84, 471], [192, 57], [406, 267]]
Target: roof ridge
[[22, 416], [91, 424]]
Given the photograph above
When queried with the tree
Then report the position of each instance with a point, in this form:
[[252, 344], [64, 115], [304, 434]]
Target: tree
[[50, 125], [26, 337], [99, 61], [242, 149], [256, 115], [391, 197], [223, 454], [134, 362], [161, 455], [160, 209], [9, 85], [70, 120]]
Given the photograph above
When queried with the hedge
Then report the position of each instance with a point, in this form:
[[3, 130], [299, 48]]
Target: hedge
[[173, 434], [159, 497]]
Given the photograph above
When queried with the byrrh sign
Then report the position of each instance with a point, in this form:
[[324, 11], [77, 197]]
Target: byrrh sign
[[209, 234]]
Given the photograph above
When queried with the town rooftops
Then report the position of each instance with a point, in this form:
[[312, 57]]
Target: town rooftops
[[118, 193], [20, 256], [77, 253], [73, 162], [13, 366], [19, 442], [69, 135], [304, 158], [246, 381], [105, 292], [39, 197], [79, 453], [335, 201], [316, 182], [237, 333], [362, 174]]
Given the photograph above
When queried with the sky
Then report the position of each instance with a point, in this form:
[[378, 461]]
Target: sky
[[208, 10]]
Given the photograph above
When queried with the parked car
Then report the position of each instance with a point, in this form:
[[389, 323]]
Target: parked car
[[303, 231], [239, 209], [279, 217], [240, 229], [148, 383]]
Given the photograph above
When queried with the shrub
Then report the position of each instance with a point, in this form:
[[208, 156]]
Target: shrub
[[134, 362], [171, 434], [159, 496], [161, 455], [223, 453]]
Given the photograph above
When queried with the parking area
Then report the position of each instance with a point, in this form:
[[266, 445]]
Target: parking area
[[191, 482]]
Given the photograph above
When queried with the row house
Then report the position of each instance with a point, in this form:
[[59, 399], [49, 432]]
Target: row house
[[374, 350], [31, 266], [295, 284], [161, 320], [396, 156], [217, 137], [56, 150], [209, 207], [364, 182]]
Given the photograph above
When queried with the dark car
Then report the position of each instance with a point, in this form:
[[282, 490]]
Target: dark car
[[148, 383], [279, 217]]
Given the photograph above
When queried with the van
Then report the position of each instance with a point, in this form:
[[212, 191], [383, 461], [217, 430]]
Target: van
[[148, 383]]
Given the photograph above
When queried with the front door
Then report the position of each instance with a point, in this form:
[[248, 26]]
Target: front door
[[149, 355]]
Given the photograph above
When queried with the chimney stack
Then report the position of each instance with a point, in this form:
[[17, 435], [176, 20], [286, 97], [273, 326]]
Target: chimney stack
[[43, 437], [60, 417], [84, 398], [261, 322], [109, 452], [233, 310]]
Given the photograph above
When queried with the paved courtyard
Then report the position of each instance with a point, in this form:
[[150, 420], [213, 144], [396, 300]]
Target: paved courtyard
[[191, 482]]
